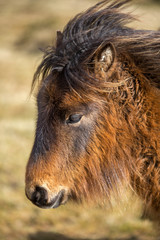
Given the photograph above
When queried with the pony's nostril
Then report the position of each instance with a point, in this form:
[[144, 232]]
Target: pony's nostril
[[40, 196]]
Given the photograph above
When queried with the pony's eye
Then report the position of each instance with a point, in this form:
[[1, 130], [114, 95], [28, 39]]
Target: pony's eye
[[75, 118]]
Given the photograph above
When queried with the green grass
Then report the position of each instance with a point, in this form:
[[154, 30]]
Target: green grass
[[25, 26]]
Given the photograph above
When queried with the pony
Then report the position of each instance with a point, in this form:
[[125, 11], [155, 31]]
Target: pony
[[98, 121]]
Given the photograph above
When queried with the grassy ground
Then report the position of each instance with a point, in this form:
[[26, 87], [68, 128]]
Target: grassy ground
[[25, 27]]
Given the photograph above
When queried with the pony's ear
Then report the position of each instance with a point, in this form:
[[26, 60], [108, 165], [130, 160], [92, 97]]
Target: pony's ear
[[104, 58]]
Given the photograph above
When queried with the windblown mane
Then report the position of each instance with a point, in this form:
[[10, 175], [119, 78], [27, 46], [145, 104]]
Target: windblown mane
[[104, 22]]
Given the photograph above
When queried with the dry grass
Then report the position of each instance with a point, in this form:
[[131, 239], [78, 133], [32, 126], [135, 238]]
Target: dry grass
[[25, 26]]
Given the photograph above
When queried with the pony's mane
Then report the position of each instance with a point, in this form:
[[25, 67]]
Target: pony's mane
[[104, 22]]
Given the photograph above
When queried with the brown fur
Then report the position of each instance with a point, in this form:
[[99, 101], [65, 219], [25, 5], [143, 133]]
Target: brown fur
[[117, 140]]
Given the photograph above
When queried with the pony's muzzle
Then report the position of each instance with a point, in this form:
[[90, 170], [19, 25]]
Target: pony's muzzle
[[40, 197]]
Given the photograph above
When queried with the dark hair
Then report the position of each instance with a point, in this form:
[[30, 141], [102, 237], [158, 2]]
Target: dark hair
[[85, 32]]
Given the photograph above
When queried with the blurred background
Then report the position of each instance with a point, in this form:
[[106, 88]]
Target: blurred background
[[26, 26]]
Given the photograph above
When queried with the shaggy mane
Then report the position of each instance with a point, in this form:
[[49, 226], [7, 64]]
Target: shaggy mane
[[104, 22]]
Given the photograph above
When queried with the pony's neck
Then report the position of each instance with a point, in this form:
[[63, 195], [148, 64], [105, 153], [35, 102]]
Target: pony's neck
[[145, 180]]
